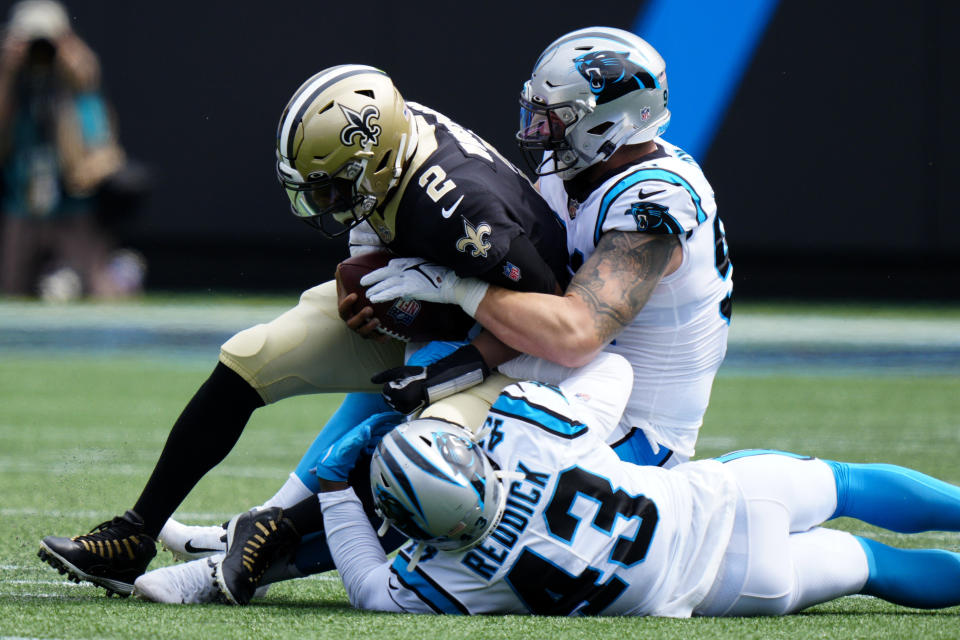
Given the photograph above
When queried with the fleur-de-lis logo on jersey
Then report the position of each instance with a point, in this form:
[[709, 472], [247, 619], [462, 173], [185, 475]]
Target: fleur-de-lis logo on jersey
[[475, 238], [358, 124]]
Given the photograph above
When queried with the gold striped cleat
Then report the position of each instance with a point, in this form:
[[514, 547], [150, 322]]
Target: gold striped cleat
[[255, 540], [111, 556]]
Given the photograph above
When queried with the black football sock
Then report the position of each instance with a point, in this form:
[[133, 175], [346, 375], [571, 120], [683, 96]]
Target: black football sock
[[306, 516], [202, 436], [313, 553]]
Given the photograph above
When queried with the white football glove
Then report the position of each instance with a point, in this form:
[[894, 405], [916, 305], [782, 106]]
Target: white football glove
[[423, 280], [363, 240]]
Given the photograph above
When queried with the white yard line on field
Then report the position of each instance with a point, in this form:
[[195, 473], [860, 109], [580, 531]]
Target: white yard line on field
[[188, 516], [59, 583], [174, 317], [796, 328], [10, 465], [810, 329]]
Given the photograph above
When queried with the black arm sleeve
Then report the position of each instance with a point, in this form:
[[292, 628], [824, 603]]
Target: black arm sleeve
[[522, 269]]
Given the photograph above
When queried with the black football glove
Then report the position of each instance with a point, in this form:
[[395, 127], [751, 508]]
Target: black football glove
[[407, 389]]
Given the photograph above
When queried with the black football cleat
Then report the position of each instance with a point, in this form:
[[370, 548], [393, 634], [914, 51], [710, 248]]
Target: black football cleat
[[111, 556], [255, 540]]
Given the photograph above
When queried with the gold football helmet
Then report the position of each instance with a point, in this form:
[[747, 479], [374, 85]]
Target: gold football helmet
[[343, 142]]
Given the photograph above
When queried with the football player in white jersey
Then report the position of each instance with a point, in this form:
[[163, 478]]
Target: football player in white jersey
[[536, 515], [653, 278]]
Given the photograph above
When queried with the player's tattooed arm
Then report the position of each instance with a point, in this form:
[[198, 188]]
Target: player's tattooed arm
[[606, 294], [618, 279]]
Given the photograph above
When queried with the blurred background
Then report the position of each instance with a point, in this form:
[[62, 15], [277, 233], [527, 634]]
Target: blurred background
[[824, 127]]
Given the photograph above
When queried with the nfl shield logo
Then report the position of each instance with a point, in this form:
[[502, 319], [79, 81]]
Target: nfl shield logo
[[511, 271], [645, 114], [404, 312]]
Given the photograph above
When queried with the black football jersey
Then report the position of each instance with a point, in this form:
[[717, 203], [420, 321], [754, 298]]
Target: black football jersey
[[465, 205]]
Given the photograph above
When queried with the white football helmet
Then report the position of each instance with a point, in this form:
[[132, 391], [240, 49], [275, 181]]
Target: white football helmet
[[433, 483], [591, 92]]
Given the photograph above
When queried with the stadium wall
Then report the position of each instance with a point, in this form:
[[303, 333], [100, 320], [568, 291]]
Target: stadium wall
[[830, 162]]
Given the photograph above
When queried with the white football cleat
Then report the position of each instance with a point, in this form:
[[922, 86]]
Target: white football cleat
[[187, 583], [190, 542]]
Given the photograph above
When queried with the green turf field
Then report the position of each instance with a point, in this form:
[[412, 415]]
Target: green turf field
[[80, 429]]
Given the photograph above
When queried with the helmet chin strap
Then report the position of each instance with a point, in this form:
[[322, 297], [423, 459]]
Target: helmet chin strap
[[565, 172], [417, 552]]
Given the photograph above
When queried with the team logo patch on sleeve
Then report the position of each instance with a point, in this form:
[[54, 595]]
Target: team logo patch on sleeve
[[476, 238], [653, 218], [358, 124]]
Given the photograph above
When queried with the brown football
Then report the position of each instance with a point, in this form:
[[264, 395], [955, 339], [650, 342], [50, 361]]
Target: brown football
[[407, 320]]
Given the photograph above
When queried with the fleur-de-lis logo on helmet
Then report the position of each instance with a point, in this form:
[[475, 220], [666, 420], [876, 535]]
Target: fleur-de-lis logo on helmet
[[475, 238], [358, 124]]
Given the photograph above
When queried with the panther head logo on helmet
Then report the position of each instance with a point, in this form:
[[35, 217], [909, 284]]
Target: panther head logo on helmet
[[611, 74], [591, 92]]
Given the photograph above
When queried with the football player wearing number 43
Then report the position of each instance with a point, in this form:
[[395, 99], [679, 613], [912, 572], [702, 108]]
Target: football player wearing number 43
[[535, 514], [652, 275]]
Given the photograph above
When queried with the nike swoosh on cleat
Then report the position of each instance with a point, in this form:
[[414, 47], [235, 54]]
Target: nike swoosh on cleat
[[189, 548], [446, 213]]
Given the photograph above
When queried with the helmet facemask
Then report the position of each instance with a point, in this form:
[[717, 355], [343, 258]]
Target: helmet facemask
[[433, 483], [546, 129], [333, 204]]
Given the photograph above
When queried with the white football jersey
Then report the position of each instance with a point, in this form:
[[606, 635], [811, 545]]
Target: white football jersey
[[584, 533], [678, 340]]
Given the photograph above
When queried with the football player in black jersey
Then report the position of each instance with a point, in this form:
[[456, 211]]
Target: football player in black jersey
[[354, 158]]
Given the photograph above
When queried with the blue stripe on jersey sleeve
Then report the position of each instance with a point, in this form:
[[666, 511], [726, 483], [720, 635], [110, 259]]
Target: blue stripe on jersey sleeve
[[538, 416], [643, 175], [435, 596]]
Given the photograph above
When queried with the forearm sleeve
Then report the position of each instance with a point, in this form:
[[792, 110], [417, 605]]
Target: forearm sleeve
[[356, 551]]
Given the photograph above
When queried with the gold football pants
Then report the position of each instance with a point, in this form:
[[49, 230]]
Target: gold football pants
[[309, 349]]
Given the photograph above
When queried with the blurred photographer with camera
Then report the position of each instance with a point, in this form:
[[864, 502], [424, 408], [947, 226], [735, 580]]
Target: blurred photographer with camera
[[58, 148]]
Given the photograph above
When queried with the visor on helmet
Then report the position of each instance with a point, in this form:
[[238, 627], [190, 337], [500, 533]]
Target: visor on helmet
[[332, 204], [544, 129]]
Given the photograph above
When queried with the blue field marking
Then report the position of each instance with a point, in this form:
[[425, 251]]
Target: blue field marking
[[778, 343], [111, 339], [741, 359], [840, 360]]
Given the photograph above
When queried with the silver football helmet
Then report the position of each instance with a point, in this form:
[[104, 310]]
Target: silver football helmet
[[433, 483], [591, 92]]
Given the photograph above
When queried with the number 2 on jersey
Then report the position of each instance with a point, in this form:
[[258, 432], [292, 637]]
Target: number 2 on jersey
[[436, 183]]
